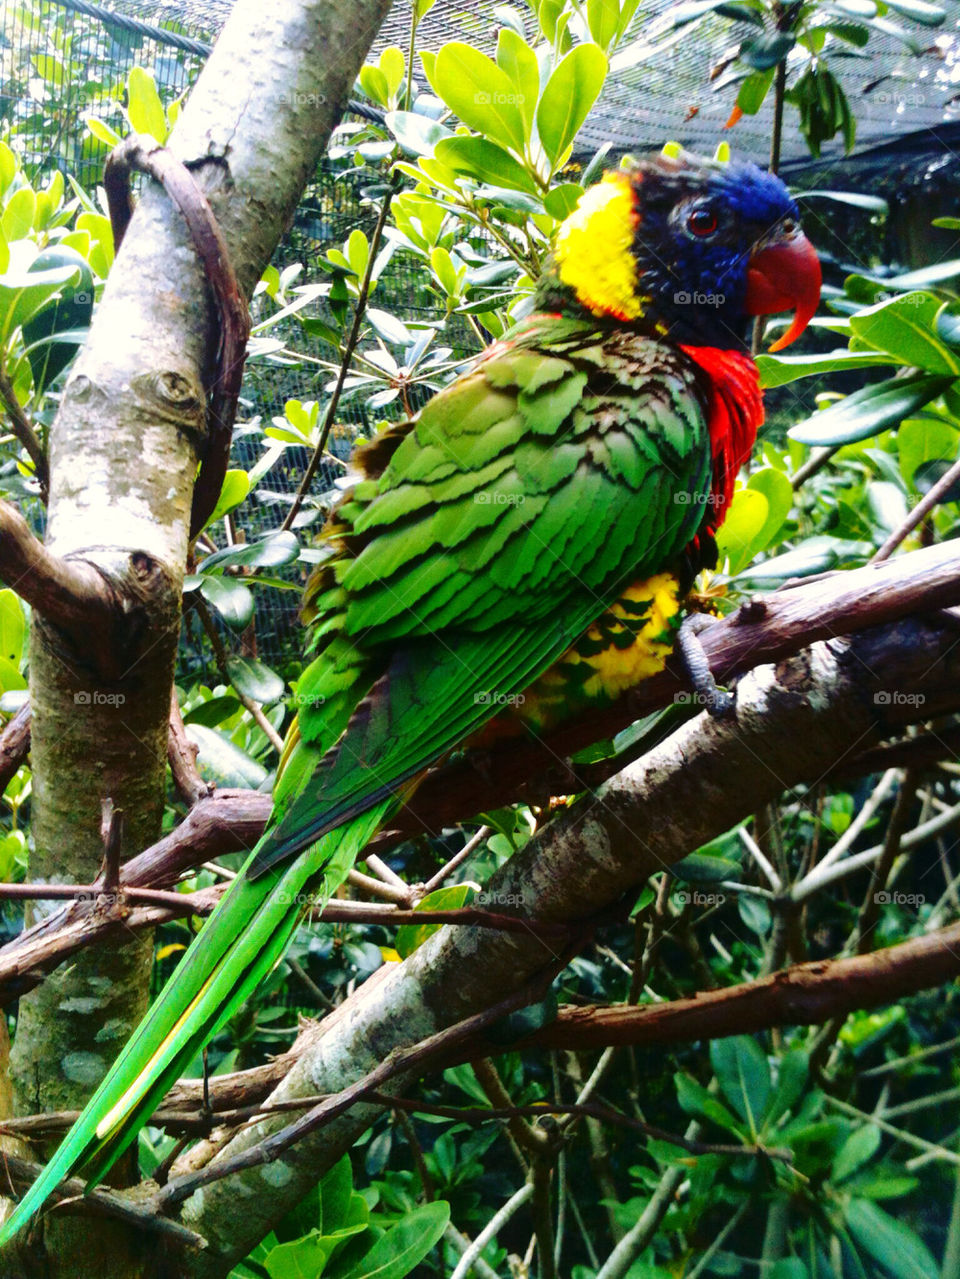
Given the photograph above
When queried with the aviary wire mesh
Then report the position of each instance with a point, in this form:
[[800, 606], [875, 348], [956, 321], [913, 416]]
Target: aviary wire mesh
[[896, 96]]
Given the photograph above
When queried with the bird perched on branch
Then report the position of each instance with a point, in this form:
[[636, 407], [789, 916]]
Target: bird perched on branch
[[518, 552]]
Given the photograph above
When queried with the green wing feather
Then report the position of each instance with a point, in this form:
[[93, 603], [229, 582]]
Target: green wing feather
[[522, 500]]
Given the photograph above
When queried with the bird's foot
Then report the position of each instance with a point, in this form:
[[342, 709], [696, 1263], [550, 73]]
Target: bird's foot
[[717, 701]]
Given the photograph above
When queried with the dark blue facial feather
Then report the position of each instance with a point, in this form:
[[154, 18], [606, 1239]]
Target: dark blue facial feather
[[697, 284]]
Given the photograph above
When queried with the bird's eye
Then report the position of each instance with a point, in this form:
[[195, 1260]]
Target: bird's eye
[[789, 226], [702, 221]]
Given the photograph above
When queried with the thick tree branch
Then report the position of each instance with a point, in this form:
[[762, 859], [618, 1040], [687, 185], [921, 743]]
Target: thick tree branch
[[14, 745], [69, 593]]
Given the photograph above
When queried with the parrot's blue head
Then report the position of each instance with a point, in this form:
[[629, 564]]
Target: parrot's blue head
[[687, 248]]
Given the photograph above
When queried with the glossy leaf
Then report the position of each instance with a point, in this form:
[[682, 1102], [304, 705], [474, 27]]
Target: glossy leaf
[[144, 108], [517, 59], [905, 328], [696, 1101], [871, 410], [485, 161], [404, 1245], [569, 94], [417, 134], [13, 627], [232, 600], [743, 1074], [778, 370], [271, 551], [480, 93], [251, 677]]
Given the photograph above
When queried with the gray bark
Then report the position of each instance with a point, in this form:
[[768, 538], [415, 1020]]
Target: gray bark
[[124, 452]]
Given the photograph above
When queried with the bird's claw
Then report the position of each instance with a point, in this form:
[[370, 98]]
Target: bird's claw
[[718, 702]]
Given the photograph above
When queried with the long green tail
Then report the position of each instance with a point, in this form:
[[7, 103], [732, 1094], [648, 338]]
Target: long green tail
[[238, 946]]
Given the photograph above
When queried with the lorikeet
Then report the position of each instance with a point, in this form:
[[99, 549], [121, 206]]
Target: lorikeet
[[525, 544]]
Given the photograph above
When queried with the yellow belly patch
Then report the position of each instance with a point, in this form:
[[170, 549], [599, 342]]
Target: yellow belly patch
[[629, 643]]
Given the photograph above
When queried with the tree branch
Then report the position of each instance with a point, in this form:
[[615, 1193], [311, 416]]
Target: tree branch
[[14, 745], [70, 594]]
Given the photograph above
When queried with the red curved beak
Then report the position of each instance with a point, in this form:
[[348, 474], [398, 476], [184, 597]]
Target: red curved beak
[[785, 276]]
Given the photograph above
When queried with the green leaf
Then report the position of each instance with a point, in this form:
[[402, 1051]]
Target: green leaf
[[778, 491], [481, 94], [788, 1268], [569, 94], [410, 936], [869, 411], [222, 762], [704, 868], [858, 1149], [254, 680], [24, 293], [743, 1074], [13, 849], [144, 108], [388, 326], [404, 1245], [10, 677], [763, 52], [235, 489], [928, 15], [8, 167], [374, 84], [949, 224], [393, 65], [13, 627], [753, 91], [696, 1101], [793, 1074], [740, 531], [905, 328], [926, 439], [272, 551], [603, 19], [778, 370], [890, 1242], [417, 134], [213, 711], [562, 200], [17, 220], [55, 331], [232, 600], [484, 160], [517, 59]]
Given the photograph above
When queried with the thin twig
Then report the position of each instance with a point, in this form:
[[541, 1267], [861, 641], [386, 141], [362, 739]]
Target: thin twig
[[919, 513], [25, 432], [348, 350]]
